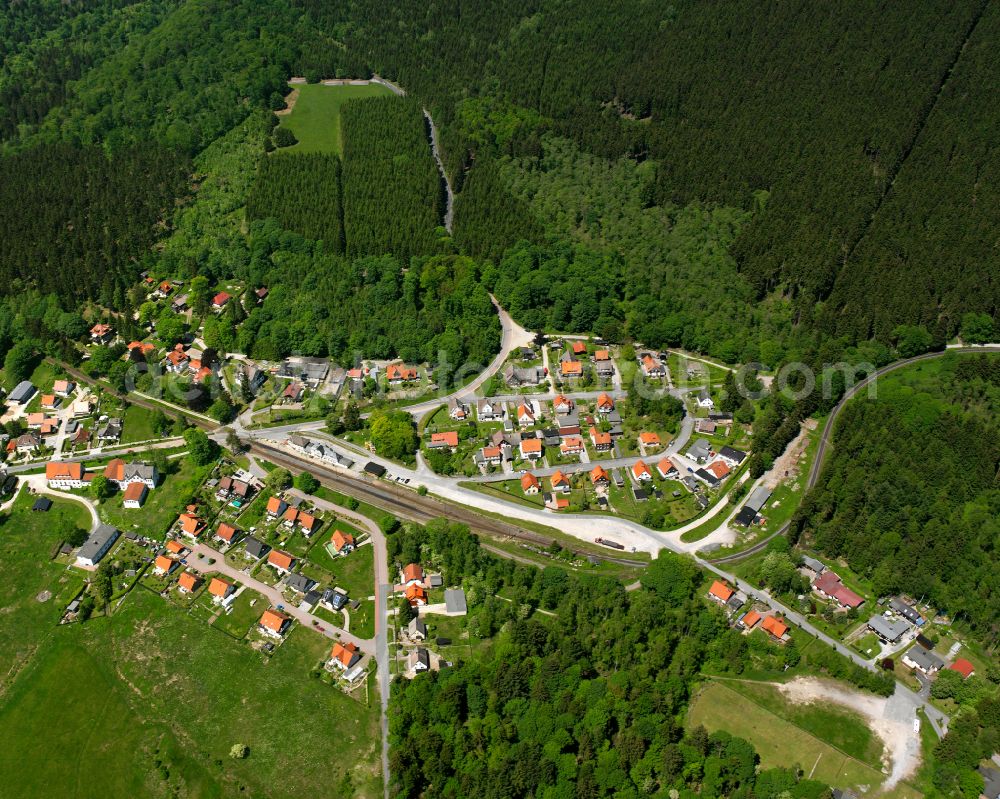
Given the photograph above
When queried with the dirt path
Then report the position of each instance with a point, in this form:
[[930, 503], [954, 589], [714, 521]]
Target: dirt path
[[890, 719], [789, 463], [290, 101]]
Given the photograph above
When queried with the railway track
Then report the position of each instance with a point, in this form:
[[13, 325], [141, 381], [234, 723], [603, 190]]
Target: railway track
[[413, 507]]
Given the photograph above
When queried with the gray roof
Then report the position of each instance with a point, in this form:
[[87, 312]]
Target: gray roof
[[904, 610], [306, 368], [928, 661], [140, 471], [454, 600], [299, 582], [97, 542], [758, 497], [422, 656], [254, 547], [22, 392], [417, 625], [890, 630], [813, 565], [991, 780], [700, 449]]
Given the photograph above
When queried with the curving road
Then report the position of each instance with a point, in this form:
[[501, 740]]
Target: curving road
[[825, 436]]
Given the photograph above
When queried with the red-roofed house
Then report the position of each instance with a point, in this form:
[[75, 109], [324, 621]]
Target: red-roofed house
[[308, 523], [274, 623], [649, 440], [720, 592], [562, 404], [276, 506], [598, 476], [963, 667], [571, 445], [220, 300], [579, 347], [560, 482], [555, 502], [416, 595], [719, 468], [164, 565], [135, 495], [531, 448], [175, 547], [281, 561], [188, 582], [829, 585], [191, 525], [101, 333], [774, 627], [605, 404], [445, 440], [529, 483], [640, 471], [413, 574], [220, 589], [665, 467], [226, 532], [749, 621], [652, 368], [400, 373], [344, 656], [571, 369], [65, 475], [342, 542]]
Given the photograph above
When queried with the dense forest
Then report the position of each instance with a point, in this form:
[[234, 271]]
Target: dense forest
[[77, 222], [302, 192], [583, 702], [393, 198], [909, 496], [436, 305]]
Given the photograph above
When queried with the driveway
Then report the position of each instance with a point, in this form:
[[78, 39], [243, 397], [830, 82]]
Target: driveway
[[273, 595]]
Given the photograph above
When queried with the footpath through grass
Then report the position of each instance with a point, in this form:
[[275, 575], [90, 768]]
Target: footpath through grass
[[315, 119]]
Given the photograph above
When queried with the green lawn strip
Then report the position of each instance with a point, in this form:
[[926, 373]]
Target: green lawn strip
[[138, 425], [315, 119], [246, 611]]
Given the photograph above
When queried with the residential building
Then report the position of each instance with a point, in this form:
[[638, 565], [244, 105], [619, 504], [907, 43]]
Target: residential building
[[560, 482], [252, 378], [188, 582], [571, 370], [343, 656], [719, 468], [416, 595], [601, 441], [753, 506], [705, 399], [276, 507], [700, 450], [191, 525], [282, 562], [652, 368], [447, 439], [907, 611], [774, 627], [562, 404], [598, 476], [311, 371], [734, 457], [219, 300], [666, 467], [529, 484], [413, 574], [922, 660], [101, 333], [813, 565], [164, 565], [63, 388], [517, 376], [66, 475], [123, 474], [571, 445], [828, 584], [226, 533], [110, 431], [491, 456], [457, 409], [134, 495], [889, 630], [720, 592], [490, 410], [299, 583], [531, 448], [274, 623], [96, 546], [418, 660], [396, 373], [220, 589], [749, 620], [526, 414], [649, 440], [175, 547], [255, 548], [640, 471], [417, 629], [553, 501]]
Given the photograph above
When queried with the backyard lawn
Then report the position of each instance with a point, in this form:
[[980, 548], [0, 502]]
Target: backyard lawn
[[163, 503], [138, 425], [246, 612]]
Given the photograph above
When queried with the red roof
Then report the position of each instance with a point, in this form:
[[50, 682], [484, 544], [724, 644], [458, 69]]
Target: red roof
[[340, 540], [602, 355], [562, 400], [597, 474], [639, 468], [134, 492], [963, 667], [274, 505], [775, 626], [163, 563], [187, 580], [280, 559], [344, 653], [226, 532], [719, 468], [115, 470], [221, 298], [579, 347], [571, 368], [412, 571], [175, 546], [531, 445], [71, 471], [306, 521], [720, 591], [559, 479], [400, 371], [219, 587], [273, 620], [649, 438], [529, 481], [666, 466], [751, 619], [605, 401], [448, 438], [415, 593]]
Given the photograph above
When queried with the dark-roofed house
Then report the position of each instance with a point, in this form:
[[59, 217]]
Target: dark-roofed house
[[374, 469], [923, 661], [418, 660], [733, 456], [97, 545], [700, 450], [907, 611], [255, 548], [22, 393], [417, 629], [889, 631], [454, 601], [299, 583], [42, 504], [813, 565], [755, 502]]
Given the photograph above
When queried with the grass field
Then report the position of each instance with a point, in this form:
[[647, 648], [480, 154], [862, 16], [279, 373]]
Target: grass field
[[149, 703], [27, 540], [138, 425], [243, 615], [315, 119], [812, 738]]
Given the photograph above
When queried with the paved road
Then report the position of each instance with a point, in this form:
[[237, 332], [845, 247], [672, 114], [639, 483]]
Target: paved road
[[273, 595], [512, 336], [382, 590]]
